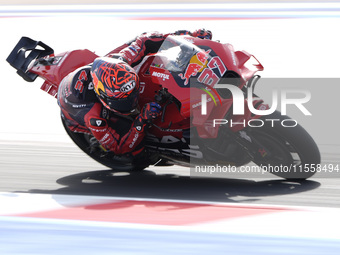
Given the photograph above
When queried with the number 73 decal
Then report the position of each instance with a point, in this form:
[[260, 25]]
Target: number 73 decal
[[214, 71]]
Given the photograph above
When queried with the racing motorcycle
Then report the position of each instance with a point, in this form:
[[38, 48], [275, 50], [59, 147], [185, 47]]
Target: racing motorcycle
[[197, 82]]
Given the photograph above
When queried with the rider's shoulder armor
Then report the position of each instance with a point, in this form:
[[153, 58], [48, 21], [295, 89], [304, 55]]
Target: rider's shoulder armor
[[77, 88]]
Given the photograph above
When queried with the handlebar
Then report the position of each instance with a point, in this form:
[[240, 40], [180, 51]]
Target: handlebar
[[165, 97]]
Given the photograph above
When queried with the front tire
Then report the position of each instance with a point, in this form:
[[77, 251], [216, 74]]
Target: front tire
[[290, 149]]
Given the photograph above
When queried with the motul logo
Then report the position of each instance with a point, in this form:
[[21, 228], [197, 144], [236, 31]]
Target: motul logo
[[161, 75]]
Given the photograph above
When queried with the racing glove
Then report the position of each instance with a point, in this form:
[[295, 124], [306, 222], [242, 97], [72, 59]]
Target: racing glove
[[202, 33], [149, 112], [182, 32]]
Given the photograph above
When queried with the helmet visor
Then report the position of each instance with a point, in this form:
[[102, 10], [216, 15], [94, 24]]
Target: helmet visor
[[123, 105]]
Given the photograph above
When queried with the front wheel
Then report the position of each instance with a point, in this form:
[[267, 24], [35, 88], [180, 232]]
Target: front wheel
[[288, 152]]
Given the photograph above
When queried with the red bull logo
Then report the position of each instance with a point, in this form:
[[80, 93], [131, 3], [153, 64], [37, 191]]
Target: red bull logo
[[197, 63], [203, 56], [191, 70]]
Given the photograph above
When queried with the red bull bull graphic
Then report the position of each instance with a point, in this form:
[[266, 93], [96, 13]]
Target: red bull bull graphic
[[191, 70], [203, 56], [197, 64], [208, 69]]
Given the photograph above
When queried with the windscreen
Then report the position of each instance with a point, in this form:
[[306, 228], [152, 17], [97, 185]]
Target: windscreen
[[181, 58], [186, 70]]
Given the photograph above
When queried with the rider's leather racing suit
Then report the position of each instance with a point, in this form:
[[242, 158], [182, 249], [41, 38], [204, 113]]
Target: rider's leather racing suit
[[83, 112]]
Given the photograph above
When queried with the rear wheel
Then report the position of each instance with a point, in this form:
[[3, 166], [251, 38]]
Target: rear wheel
[[88, 144], [289, 152]]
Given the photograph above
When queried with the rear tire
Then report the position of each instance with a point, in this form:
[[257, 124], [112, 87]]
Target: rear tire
[[83, 141], [290, 148]]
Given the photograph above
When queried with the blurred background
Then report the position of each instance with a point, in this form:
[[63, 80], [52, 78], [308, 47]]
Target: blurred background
[[291, 39], [297, 42]]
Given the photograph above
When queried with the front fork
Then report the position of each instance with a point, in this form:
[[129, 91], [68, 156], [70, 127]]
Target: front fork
[[255, 150], [242, 135]]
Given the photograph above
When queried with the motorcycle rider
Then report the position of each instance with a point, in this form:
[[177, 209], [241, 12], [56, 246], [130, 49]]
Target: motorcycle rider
[[102, 99]]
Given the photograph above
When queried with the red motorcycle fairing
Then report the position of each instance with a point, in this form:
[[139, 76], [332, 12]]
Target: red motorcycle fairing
[[54, 68], [207, 125], [239, 122], [207, 65], [150, 84]]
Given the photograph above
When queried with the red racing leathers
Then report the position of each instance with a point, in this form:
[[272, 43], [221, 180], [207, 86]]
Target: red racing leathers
[[83, 112], [133, 52]]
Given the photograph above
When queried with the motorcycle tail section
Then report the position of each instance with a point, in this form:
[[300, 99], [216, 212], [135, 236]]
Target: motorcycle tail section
[[26, 51]]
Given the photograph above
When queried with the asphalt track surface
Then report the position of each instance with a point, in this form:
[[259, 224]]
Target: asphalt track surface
[[48, 167], [64, 169]]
